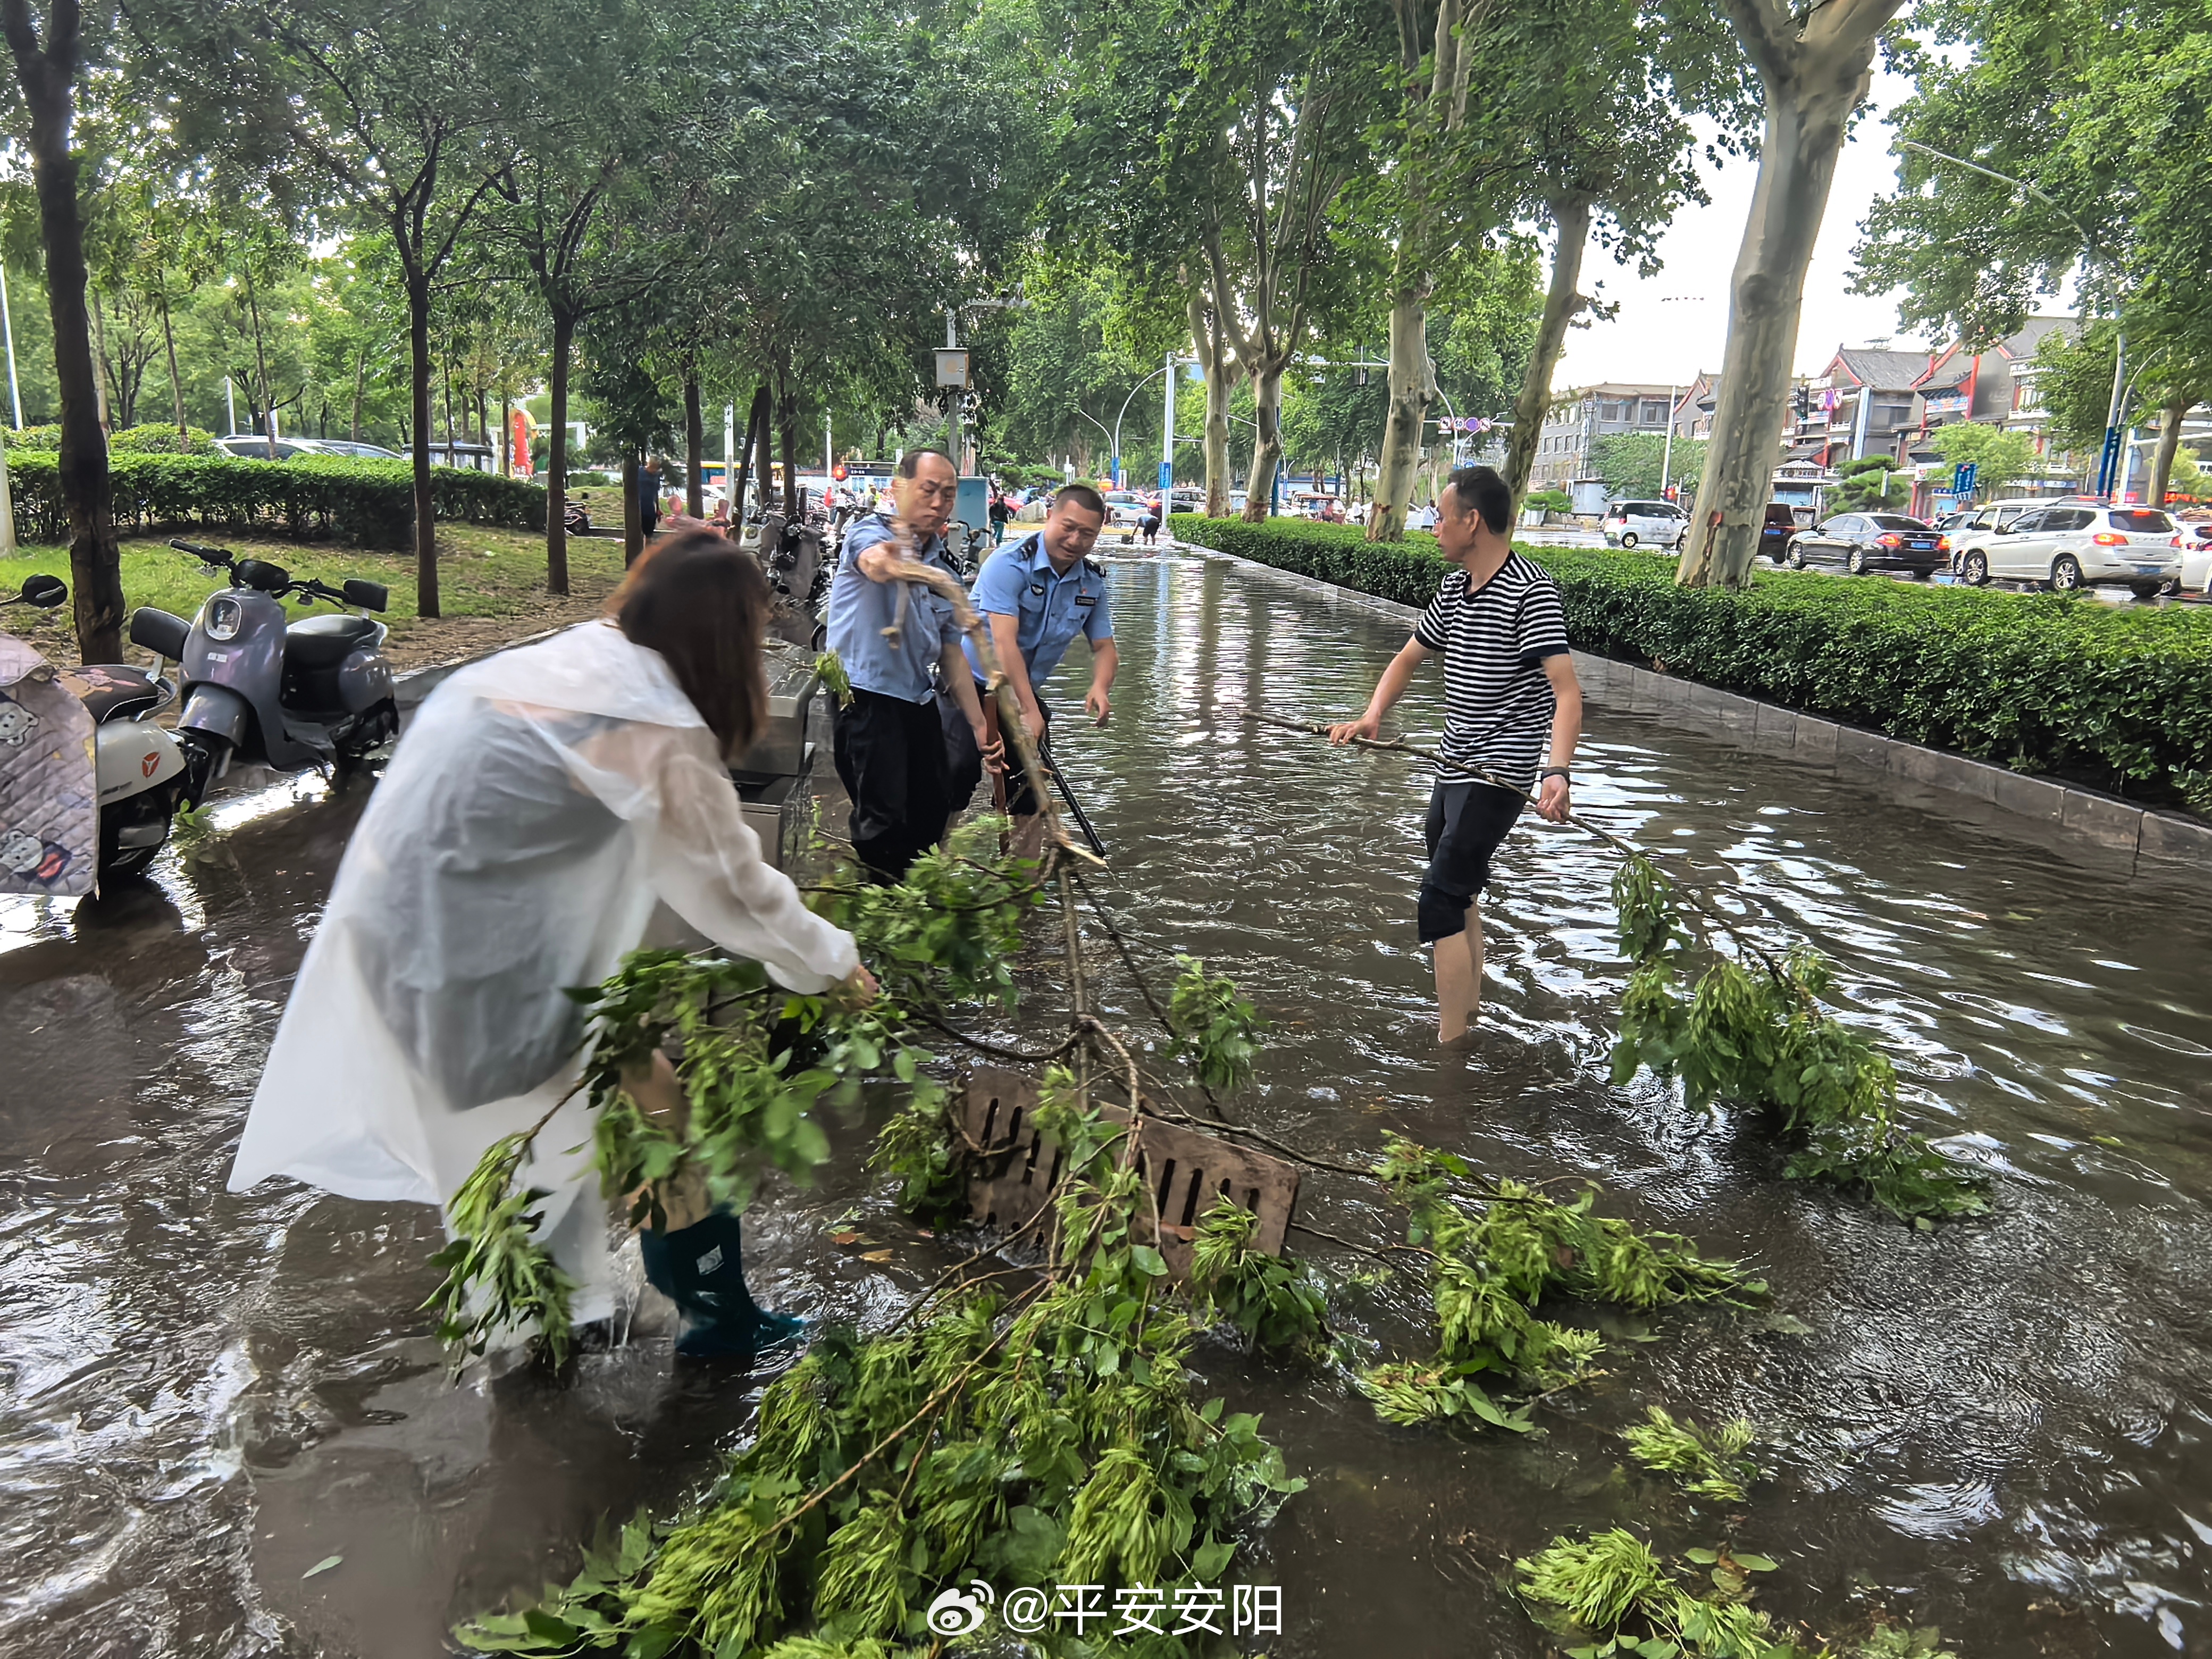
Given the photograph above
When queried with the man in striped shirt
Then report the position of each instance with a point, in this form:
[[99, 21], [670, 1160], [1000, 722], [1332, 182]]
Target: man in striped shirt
[[1510, 699]]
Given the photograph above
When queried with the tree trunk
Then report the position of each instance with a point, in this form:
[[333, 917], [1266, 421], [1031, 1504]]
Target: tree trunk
[[360, 384], [1412, 388], [633, 510], [1570, 220], [756, 418], [105, 381], [506, 431], [418, 365], [1214, 359], [789, 409], [556, 458], [1268, 448], [1812, 85], [695, 446], [2169, 444], [176, 386], [95, 567], [261, 366]]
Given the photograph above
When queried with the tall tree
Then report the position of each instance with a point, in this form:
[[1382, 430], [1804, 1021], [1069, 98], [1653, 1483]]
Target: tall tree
[[50, 53], [1815, 68]]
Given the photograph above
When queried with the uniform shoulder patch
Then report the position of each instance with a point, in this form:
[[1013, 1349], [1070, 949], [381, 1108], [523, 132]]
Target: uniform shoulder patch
[[1094, 567]]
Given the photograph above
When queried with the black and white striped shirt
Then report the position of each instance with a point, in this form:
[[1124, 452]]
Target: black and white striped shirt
[[1497, 702]]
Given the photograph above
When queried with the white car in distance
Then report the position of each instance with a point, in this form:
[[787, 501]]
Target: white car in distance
[[1644, 524]]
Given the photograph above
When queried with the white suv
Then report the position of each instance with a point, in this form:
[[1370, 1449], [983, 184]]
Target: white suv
[[2071, 545], [1639, 524]]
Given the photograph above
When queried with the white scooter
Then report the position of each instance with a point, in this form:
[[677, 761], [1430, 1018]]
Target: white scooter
[[140, 767]]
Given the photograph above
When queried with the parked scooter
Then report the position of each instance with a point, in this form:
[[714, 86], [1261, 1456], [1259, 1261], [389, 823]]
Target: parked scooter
[[312, 693]]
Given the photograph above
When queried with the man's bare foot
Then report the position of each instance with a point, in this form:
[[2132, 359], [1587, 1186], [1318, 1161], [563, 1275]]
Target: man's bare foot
[[1457, 1042]]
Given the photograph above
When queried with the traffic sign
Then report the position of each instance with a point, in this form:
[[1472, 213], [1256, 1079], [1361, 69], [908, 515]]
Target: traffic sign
[[1964, 477], [1167, 475]]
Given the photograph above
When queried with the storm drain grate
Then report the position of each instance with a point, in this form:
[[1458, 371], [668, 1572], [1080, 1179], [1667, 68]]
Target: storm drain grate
[[1021, 1165]]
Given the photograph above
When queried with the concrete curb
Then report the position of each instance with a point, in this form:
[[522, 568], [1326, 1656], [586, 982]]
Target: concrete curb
[[2146, 841]]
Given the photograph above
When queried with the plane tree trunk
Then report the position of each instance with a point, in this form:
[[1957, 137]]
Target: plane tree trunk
[[2169, 445], [1813, 77], [1570, 221]]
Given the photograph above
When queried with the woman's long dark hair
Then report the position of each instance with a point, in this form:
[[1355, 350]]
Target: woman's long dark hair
[[702, 602]]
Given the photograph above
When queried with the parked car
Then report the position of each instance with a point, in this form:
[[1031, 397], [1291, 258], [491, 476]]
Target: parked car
[[2070, 546], [1985, 521], [348, 448], [256, 447], [1638, 524], [2197, 556], [1862, 542], [1774, 534], [1126, 512]]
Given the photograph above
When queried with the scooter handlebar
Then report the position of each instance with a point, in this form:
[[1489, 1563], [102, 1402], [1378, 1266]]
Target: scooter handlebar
[[215, 555]]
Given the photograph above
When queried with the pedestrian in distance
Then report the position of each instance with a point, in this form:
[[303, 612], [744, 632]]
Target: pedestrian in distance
[[1035, 594], [1001, 511], [892, 636], [1151, 527], [1510, 700], [649, 496], [544, 802]]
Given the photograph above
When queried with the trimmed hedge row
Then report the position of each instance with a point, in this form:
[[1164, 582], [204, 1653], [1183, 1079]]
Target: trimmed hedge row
[[2117, 698], [363, 503]]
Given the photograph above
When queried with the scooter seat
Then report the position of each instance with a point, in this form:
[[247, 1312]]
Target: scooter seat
[[115, 690], [326, 641]]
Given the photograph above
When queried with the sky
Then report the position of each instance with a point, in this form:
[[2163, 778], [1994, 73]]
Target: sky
[[1675, 324]]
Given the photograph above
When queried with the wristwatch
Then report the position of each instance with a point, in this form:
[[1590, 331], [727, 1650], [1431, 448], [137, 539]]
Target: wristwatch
[[1555, 772]]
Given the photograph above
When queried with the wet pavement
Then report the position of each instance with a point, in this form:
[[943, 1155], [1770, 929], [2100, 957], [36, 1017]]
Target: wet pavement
[[2004, 1427]]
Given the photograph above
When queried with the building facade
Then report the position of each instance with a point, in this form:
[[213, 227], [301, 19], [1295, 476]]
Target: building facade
[[1579, 418]]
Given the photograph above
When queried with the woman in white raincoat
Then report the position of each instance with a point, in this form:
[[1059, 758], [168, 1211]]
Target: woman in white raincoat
[[541, 803]]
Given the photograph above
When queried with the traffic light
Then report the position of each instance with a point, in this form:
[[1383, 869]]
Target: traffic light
[[838, 471]]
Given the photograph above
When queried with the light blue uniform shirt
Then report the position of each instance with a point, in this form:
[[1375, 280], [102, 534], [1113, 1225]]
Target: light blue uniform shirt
[[1018, 580], [860, 611]]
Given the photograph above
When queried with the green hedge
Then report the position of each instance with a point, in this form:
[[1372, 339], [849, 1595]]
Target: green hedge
[[2119, 698], [363, 503]]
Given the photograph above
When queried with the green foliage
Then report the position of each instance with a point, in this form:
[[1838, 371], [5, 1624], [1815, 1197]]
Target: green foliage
[[832, 669], [1490, 1267], [1271, 1299], [364, 503], [157, 438], [1632, 463], [1542, 500], [1053, 1438], [1708, 1463], [2003, 459], [2115, 698], [1874, 483], [1217, 1032], [1759, 1037], [1610, 1595], [497, 1275], [751, 1062]]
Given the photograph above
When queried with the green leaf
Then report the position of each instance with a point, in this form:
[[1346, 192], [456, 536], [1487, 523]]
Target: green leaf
[[1149, 1261], [323, 1565], [1751, 1562]]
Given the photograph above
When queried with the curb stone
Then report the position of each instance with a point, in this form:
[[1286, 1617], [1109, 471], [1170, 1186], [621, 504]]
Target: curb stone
[[2148, 840]]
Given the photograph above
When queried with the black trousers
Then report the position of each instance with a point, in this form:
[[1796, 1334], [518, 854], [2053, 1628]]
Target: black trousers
[[965, 761], [890, 758], [1467, 821]]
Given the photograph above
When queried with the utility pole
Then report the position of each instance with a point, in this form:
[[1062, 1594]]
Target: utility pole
[[7, 325], [1667, 449], [959, 391], [1167, 445], [730, 465]]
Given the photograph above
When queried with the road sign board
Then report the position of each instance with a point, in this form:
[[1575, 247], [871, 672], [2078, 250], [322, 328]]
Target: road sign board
[[1167, 475], [1963, 476]]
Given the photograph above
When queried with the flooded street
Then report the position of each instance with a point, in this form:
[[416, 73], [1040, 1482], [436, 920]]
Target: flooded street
[[2003, 1427]]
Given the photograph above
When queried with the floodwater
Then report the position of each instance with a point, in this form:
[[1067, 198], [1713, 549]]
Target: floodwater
[[2003, 1427]]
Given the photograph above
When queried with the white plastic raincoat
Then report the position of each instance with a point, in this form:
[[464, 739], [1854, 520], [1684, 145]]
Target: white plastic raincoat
[[540, 803]]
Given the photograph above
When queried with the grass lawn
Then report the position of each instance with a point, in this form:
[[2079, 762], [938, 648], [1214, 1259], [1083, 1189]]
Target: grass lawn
[[491, 587]]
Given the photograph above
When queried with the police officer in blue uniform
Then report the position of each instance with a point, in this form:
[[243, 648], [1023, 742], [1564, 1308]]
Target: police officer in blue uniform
[[890, 742], [1035, 595]]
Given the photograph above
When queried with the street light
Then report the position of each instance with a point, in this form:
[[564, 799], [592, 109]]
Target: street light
[[952, 364]]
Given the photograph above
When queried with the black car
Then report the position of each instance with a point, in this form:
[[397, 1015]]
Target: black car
[[1860, 542], [1775, 529]]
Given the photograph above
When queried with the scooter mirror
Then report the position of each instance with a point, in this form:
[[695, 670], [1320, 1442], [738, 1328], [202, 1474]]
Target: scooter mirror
[[260, 575], [369, 596], [44, 591]]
